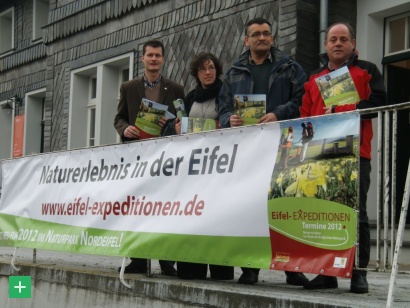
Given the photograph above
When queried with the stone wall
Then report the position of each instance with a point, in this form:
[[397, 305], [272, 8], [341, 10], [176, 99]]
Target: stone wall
[[185, 28], [81, 33], [308, 40]]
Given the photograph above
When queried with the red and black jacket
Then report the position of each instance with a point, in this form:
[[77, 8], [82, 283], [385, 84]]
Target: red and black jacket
[[369, 85]]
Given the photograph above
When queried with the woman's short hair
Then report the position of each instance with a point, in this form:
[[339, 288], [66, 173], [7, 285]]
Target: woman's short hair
[[200, 59]]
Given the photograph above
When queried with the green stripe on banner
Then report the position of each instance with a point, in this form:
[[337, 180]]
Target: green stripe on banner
[[221, 250]]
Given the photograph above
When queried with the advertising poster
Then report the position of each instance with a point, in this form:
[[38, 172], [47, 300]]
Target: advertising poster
[[225, 197], [313, 197]]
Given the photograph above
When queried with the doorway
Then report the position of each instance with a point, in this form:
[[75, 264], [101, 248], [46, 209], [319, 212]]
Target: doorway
[[398, 91]]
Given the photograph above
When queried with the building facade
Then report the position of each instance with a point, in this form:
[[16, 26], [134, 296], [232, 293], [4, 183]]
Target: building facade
[[62, 61], [65, 60]]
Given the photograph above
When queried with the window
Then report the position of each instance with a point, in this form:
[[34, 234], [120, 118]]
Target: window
[[40, 17], [91, 126], [34, 122], [6, 126], [6, 30], [398, 33], [93, 88], [91, 112], [93, 101], [125, 74]]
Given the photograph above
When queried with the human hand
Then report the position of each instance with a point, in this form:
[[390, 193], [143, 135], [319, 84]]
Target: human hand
[[235, 120], [178, 125], [162, 121], [131, 132], [269, 117], [328, 110]]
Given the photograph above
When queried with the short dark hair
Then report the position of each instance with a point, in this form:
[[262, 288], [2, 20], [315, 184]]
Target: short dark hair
[[257, 20], [348, 26], [153, 44], [199, 60]]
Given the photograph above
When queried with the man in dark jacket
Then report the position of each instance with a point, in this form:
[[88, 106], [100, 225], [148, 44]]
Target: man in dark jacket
[[340, 45], [153, 86], [263, 69]]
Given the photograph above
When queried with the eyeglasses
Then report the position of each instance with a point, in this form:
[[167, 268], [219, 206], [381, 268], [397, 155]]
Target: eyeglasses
[[258, 34], [204, 69]]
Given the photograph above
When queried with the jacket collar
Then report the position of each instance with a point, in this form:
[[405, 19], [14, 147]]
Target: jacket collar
[[324, 59], [164, 86], [275, 56]]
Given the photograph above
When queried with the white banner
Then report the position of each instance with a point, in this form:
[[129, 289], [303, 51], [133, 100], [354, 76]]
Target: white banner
[[212, 184], [229, 197]]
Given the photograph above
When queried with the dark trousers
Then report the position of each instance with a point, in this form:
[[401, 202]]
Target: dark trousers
[[138, 262], [247, 270], [188, 270], [256, 271], [364, 228]]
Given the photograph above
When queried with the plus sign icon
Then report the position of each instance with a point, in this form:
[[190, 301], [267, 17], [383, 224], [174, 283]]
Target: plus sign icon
[[20, 287]]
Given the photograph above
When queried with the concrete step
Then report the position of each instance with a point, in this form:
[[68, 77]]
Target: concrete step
[[74, 280], [404, 256]]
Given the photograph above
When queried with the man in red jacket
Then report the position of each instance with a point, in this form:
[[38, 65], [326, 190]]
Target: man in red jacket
[[340, 45]]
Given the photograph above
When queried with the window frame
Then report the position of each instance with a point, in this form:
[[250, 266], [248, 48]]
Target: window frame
[[40, 18], [6, 128], [108, 74], [388, 37], [91, 111], [10, 32]]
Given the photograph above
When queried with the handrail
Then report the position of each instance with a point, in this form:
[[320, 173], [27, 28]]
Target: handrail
[[387, 166], [385, 108]]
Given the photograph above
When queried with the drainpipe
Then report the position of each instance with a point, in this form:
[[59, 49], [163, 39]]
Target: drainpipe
[[323, 24]]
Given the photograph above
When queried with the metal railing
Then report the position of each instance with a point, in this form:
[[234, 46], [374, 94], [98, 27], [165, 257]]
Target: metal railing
[[385, 194], [386, 188]]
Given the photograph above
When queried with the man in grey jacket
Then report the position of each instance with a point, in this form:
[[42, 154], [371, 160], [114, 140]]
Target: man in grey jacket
[[263, 69]]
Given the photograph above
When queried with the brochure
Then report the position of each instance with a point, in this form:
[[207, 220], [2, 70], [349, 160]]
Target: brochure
[[148, 117], [337, 88], [197, 125], [169, 115], [250, 107], [180, 108]]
